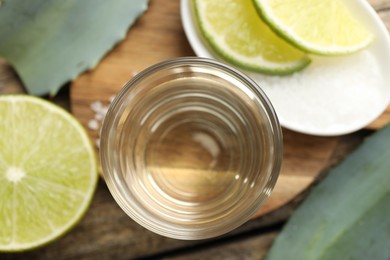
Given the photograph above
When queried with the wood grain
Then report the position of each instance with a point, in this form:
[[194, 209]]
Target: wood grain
[[158, 35], [106, 232], [9, 81], [253, 247]]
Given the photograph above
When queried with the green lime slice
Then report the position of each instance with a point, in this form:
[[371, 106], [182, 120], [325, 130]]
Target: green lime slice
[[325, 27], [235, 32], [48, 172]]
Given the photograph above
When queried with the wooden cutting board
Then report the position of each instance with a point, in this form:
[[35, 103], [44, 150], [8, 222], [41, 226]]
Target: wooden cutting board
[[158, 35]]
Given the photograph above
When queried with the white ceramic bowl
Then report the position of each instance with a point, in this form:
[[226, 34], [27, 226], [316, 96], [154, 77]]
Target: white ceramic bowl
[[333, 96]]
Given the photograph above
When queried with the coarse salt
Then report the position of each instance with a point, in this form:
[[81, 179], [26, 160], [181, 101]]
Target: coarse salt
[[99, 116], [329, 96], [97, 142], [96, 106], [93, 124], [100, 111]]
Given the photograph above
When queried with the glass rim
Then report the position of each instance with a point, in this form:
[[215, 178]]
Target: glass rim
[[113, 181]]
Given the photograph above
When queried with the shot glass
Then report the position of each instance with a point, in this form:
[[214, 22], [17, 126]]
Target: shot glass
[[191, 148]]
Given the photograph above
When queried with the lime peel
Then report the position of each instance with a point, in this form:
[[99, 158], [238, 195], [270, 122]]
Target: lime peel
[[40, 201], [243, 39], [319, 27]]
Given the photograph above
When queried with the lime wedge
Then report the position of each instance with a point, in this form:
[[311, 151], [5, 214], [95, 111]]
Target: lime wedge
[[235, 32], [48, 172], [325, 27]]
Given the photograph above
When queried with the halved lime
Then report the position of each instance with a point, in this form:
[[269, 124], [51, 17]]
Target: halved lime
[[48, 172], [325, 27], [236, 33]]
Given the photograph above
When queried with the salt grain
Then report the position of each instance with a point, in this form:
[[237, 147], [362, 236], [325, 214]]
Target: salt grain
[[93, 124], [96, 106], [100, 111], [99, 116], [97, 142]]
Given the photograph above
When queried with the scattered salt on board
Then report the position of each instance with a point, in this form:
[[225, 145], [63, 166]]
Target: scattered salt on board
[[100, 111]]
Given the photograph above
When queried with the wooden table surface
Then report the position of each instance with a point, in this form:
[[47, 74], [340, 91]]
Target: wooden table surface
[[106, 232]]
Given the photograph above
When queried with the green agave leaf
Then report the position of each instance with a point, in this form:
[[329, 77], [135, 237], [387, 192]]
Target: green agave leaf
[[347, 216], [50, 42]]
